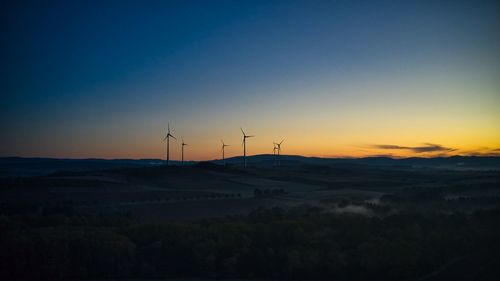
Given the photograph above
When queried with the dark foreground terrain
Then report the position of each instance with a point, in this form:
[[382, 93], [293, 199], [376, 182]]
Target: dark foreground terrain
[[315, 219]]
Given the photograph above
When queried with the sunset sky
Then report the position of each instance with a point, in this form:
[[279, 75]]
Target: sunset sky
[[101, 79]]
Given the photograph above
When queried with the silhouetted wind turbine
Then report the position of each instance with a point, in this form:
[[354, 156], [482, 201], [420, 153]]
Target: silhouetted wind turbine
[[244, 143], [183, 144], [167, 137], [223, 146], [274, 152], [278, 147]]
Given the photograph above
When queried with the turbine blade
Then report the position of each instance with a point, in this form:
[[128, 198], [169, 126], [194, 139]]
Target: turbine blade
[[250, 136], [242, 131], [173, 137], [282, 141]]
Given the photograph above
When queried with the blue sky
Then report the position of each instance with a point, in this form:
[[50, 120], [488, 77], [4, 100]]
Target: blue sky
[[92, 79]]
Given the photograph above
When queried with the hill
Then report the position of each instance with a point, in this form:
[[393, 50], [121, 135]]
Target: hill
[[19, 166]]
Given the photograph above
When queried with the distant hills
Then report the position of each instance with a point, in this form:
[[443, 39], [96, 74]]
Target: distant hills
[[18, 166], [452, 161]]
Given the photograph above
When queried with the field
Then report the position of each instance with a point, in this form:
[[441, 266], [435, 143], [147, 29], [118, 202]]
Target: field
[[159, 193], [327, 220]]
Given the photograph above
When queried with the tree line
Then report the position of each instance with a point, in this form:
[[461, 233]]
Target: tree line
[[299, 243]]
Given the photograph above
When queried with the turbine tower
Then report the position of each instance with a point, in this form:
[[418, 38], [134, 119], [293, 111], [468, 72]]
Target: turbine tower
[[274, 153], [167, 137], [244, 143], [183, 144], [223, 146], [277, 146]]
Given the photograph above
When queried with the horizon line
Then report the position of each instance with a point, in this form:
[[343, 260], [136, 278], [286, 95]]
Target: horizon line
[[255, 155]]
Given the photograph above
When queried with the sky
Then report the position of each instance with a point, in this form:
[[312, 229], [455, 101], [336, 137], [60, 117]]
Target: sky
[[102, 79]]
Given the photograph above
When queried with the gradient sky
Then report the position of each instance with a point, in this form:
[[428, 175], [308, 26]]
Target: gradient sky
[[101, 79]]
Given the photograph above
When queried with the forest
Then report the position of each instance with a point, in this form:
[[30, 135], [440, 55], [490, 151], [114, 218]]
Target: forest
[[273, 243]]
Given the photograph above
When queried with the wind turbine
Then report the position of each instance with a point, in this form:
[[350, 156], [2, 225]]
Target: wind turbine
[[277, 146], [223, 146], [167, 137], [245, 136], [183, 144], [274, 153]]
